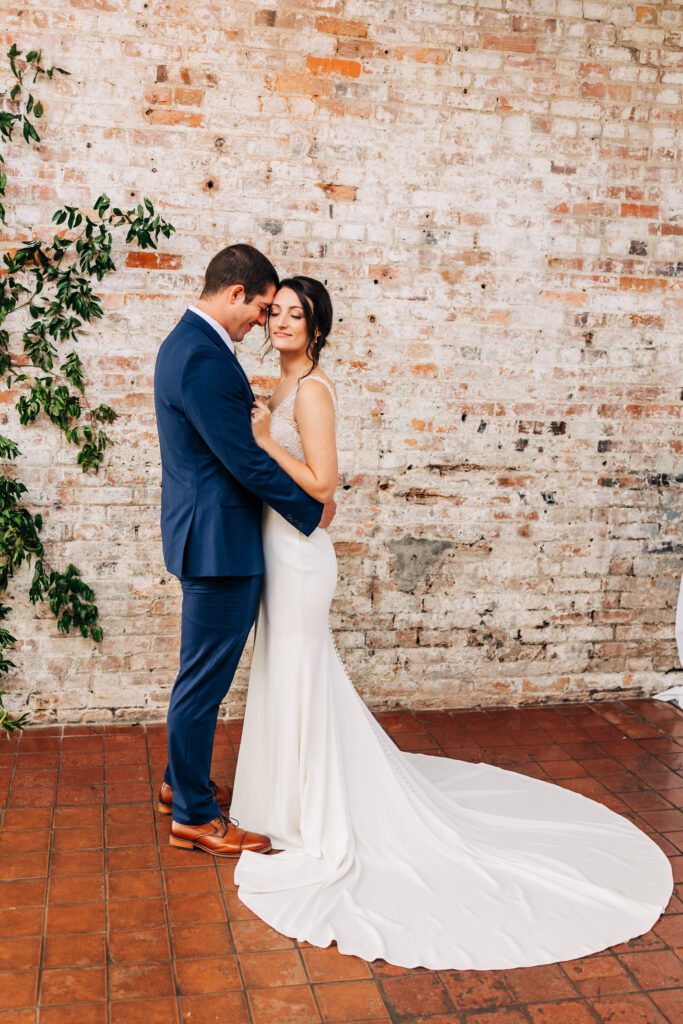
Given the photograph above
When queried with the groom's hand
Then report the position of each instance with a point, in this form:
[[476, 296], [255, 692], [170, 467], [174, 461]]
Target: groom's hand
[[328, 514]]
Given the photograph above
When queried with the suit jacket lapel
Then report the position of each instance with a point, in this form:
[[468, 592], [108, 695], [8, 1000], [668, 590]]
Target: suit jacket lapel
[[238, 364], [198, 321]]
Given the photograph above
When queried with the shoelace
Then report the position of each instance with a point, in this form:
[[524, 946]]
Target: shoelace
[[226, 820]]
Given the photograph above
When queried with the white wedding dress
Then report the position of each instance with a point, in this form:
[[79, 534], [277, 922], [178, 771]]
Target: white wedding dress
[[420, 860]]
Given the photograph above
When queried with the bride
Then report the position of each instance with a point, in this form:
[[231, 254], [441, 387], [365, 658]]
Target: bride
[[420, 860]]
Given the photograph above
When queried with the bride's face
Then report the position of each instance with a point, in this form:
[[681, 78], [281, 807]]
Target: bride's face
[[287, 323]]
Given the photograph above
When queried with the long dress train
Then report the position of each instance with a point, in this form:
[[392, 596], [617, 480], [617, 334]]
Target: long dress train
[[420, 860]]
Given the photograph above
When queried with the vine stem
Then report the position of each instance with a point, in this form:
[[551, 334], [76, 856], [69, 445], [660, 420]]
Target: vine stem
[[63, 271]]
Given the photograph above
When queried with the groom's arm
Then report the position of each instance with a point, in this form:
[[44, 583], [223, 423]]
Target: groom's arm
[[217, 407]]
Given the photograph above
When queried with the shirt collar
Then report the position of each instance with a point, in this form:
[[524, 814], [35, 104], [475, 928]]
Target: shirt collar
[[218, 328]]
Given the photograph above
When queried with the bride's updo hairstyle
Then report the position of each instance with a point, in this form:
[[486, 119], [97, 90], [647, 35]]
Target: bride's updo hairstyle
[[317, 306]]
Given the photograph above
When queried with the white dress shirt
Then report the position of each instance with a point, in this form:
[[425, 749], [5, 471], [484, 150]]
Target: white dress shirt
[[216, 326]]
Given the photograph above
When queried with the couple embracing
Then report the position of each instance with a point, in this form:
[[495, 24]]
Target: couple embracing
[[419, 860]]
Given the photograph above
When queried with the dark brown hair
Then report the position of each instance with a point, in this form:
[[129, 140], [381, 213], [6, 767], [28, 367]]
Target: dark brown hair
[[239, 264], [317, 306]]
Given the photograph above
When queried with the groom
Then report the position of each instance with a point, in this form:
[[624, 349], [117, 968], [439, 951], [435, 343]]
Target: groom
[[214, 480]]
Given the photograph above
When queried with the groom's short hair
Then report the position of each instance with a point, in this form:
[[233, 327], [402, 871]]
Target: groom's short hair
[[239, 264]]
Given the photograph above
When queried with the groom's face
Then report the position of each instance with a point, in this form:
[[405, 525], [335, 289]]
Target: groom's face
[[241, 315]]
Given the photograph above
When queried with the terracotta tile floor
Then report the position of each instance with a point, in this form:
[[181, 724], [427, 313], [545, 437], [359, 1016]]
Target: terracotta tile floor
[[102, 921]]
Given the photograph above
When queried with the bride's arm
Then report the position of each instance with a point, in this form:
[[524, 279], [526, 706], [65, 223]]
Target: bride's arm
[[314, 412]]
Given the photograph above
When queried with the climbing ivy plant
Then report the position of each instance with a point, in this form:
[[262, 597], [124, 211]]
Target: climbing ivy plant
[[47, 296]]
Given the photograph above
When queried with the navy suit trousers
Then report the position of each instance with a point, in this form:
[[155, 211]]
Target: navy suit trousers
[[217, 615]]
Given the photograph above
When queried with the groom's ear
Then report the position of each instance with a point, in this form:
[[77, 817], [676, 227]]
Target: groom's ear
[[234, 294]]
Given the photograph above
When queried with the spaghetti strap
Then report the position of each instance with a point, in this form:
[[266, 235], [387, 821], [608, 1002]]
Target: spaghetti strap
[[321, 380]]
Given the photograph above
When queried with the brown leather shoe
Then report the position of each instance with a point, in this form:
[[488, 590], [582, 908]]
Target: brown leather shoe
[[219, 837], [223, 796]]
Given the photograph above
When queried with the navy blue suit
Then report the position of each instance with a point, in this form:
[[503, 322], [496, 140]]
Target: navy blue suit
[[213, 483]]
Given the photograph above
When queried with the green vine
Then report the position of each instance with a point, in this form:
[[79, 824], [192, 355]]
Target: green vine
[[53, 282]]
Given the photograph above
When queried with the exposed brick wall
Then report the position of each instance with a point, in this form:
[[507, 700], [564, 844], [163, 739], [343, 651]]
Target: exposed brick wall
[[490, 191]]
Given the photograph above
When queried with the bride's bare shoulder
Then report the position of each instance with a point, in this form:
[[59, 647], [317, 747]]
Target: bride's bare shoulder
[[321, 376]]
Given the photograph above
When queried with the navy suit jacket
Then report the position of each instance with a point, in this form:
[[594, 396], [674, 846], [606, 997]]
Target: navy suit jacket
[[214, 477]]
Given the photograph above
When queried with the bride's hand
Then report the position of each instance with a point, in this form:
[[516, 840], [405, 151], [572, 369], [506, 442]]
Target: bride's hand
[[260, 422]]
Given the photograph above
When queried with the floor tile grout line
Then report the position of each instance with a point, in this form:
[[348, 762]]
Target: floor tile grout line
[[228, 924], [552, 740], [238, 957], [395, 1016], [103, 827], [314, 994], [13, 770], [639, 992], [167, 912], [164, 890], [664, 1012], [582, 996], [8, 796], [460, 1010], [631, 974], [564, 706], [521, 1007], [48, 882], [657, 1009]]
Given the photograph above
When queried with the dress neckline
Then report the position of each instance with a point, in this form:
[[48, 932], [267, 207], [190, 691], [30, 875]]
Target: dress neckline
[[295, 390], [285, 399]]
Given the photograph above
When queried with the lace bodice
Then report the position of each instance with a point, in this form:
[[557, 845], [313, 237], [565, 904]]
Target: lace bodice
[[283, 428]]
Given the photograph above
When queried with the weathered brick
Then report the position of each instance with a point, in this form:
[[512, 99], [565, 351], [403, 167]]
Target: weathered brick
[[188, 97], [639, 210], [152, 261], [643, 284], [421, 54], [341, 193], [159, 94], [511, 43], [341, 27], [300, 83], [174, 117], [333, 66], [647, 15], [604, 90]]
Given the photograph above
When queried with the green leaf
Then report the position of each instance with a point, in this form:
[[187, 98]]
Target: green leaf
[[104, 414], [102, 204], [72, 368], [9, 449], [7, 721], [29, 132]]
